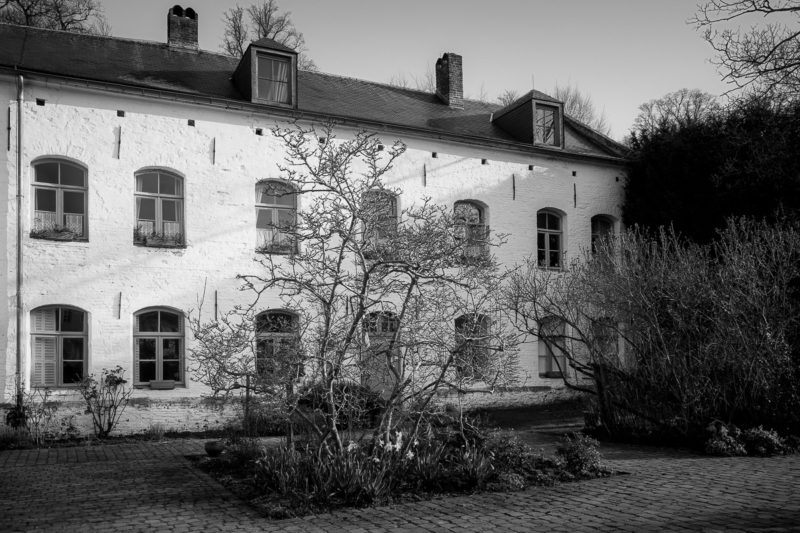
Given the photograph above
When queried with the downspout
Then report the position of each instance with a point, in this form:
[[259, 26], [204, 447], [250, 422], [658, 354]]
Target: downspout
[[20, 87]]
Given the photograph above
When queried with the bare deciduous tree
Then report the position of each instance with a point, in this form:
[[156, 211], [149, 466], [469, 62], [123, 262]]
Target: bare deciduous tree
[[676, 109], [402, 300], [580, 106], [764, 56], [508, 96], [80, 16], [259, 21]]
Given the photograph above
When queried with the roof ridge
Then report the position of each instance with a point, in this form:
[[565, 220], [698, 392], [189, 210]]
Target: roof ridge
[[114, 37]]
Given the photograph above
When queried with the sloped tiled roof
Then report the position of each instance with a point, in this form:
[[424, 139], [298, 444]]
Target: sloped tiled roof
[[157, 66]]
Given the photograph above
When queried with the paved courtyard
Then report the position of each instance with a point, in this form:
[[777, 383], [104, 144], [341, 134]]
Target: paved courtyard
[[152, 487]]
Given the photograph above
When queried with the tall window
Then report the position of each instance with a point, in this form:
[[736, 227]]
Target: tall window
[[549, 241], [602, 228], [552, 355], [158, 342], [378, 363], [276, 216], [59, 338], [159, 208], [278, 345], [274, 78], [471, 229], [547, 125], [472, 345], [380, 216], [59, 196]]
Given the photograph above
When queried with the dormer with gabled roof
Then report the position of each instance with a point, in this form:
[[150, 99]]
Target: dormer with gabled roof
[[267, 74], [534, 118]]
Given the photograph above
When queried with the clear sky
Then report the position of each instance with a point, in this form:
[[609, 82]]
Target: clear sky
[[621, 52]]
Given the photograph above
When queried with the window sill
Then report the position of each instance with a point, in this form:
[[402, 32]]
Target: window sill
[[551, 375], [276, 251], [156, 244], [58, 237], [159, 385]]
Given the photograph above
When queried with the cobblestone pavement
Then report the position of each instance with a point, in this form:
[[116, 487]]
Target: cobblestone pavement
[[151, 487]]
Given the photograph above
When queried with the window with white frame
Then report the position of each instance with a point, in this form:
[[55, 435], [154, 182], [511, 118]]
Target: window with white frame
[[547, 125], [158, 346], [472, 345], [276, 217], [602, 228], [159, 208], [59, 197], [549, 239], [380, 217], [471, 230], [274, 78], [552, 348], [59, 337], [278, 345]]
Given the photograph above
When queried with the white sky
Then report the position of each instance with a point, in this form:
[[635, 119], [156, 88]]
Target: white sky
[[621, 52]]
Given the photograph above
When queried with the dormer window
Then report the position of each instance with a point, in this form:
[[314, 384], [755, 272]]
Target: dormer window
[[274, 80], [267, 74], [547, 125]]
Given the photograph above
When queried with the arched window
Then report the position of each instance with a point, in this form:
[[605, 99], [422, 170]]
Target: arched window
[[159, 209], [158, 346], [276, 217], [59, 196], [381, 323], [602, 228], [278, 345], [379, 366], [472, 345], [549, 239], [552, 349], [471, 229], [380, 217], [59, 340]]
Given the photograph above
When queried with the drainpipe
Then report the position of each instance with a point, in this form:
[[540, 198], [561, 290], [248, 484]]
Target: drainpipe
[[18, 376]]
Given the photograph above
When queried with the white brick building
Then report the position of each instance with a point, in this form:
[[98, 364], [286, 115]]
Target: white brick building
[[107, 136]]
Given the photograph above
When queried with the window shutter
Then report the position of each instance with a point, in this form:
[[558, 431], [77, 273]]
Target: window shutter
[[44, 361], [136, 355], [44, 320]]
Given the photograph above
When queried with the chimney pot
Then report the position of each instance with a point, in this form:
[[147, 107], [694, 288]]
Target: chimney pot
[[450, 81], [182, 28]]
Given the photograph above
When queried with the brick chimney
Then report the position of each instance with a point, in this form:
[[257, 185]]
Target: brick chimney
[[182, 28], [450, 81]]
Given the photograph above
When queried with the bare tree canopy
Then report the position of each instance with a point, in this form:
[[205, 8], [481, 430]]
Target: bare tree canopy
[[81, 16], [676, 109], [259, 21], [764, 56], [508, 96], [580, 106]]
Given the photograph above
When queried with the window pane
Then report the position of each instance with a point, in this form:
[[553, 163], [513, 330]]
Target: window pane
[[147, 208], [72, 176], [147, 371], [285, 218], [171, 349], [540, 260], [169, 210], [171, 370], [286, 198], [168, 185], [148, 321], [147, 182], [72, 371], [170, 322], [147, 349], [47, 173], [540, 240], [555, 260], [46, 200], [71, 320], [264, 218], [72, 349], [554, 242], [73, 202]]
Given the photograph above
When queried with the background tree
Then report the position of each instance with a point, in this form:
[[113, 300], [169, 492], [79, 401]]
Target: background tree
[[259, 21], [580, 106], [766, 55], [379, 294], [508, 96], [679, 109], [80, 16]]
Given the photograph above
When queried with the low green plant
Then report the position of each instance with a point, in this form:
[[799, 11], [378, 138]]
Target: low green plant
[[581, 457], [724, 440], [106, 399], [15, 438], [763, 442], [154, 432]]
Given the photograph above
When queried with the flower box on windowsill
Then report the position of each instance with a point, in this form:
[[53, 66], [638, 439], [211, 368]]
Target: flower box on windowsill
[[552, 375], [56, 234], [157, 240], [166, 384], [281, 249]]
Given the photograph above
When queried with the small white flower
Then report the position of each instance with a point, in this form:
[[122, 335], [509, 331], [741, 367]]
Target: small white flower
[[409, 455]]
